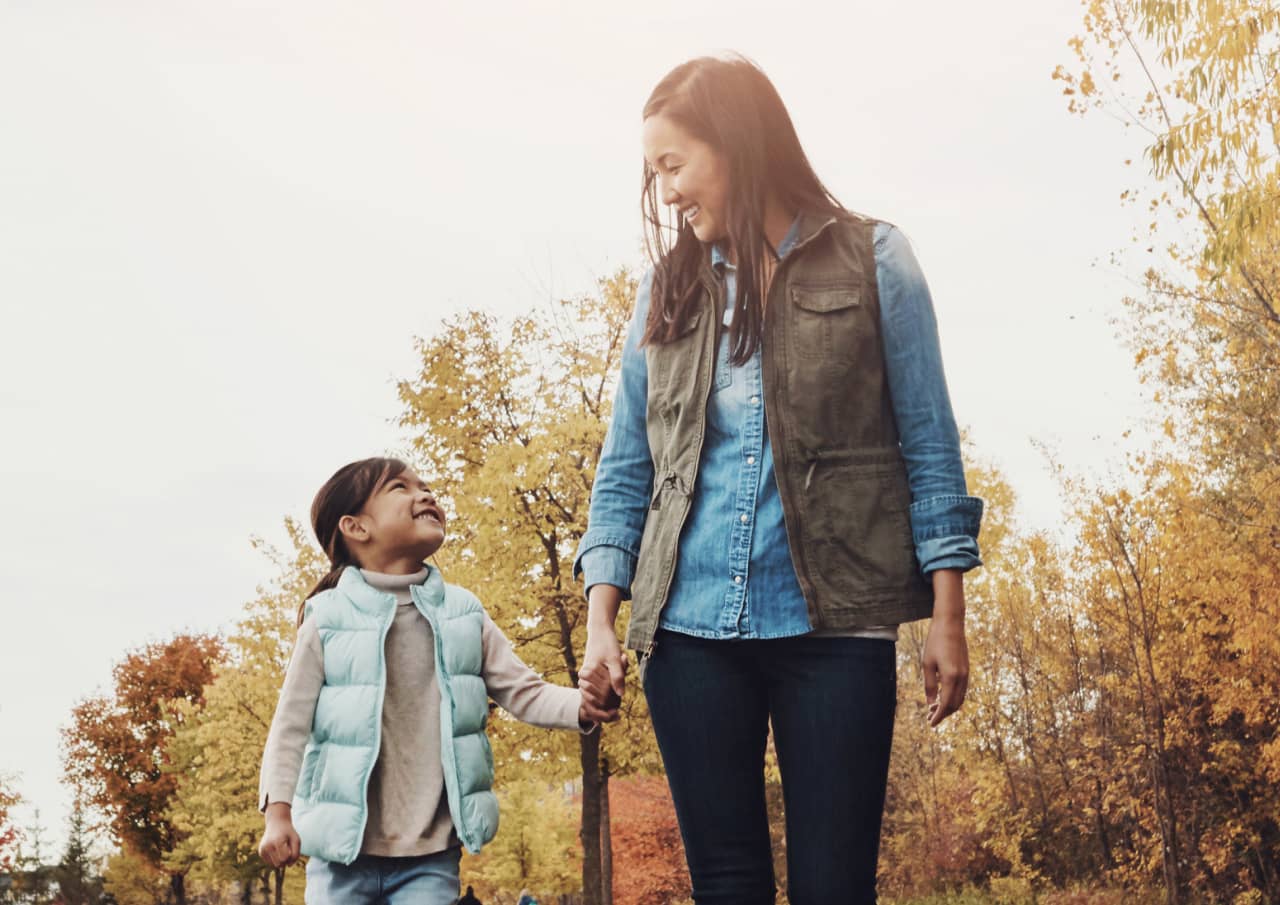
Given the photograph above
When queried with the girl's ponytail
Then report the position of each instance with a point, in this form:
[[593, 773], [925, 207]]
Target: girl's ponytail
[[344, 494], [329, 581]]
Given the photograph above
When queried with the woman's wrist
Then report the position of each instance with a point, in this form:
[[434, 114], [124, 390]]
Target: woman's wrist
[[603, 601], [948, 594]]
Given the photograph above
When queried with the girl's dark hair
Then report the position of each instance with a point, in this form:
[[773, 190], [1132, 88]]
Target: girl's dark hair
[[345, 494], [731, 105]]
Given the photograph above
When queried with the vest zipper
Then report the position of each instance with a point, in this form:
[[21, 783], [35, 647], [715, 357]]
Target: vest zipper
[[672, 477], [377, 730], [668, 481]]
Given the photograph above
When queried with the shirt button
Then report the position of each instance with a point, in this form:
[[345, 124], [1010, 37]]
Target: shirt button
[[743, 518], [755, 400], [751, 460], [737, 579]]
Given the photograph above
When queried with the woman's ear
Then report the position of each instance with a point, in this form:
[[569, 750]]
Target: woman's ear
[[353, 529]]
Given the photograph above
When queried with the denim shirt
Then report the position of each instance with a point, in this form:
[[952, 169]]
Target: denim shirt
[[734, 577]]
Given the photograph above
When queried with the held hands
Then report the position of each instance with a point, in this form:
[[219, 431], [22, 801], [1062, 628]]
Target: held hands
[[603, 677], [601, 696], [280, 845], [599, 701]]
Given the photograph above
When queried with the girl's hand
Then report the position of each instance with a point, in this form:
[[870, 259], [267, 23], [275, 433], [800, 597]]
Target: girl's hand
[[280, 845], [946, 653], [590, 713], [599, 701]]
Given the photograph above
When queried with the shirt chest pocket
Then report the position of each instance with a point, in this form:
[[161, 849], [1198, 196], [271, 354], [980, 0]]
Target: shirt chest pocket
[[724, 368]]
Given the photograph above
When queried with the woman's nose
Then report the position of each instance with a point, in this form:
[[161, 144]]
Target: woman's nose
[[667, 191]]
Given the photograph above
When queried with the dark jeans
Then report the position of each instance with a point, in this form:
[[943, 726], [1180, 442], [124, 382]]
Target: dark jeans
[[831, 701]]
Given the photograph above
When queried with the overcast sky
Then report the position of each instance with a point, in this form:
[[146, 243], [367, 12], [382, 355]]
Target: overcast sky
[[222, 224]]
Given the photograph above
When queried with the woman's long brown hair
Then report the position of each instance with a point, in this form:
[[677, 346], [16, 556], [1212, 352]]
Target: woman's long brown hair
[[345, 494], [732, 106]]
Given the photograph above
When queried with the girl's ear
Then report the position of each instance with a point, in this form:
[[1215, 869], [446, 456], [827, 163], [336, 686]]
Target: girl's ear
[[353, 529]]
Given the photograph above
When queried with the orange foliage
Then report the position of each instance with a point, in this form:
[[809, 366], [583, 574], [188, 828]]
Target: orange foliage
[[114, 749], [9, 835], [648, 857]]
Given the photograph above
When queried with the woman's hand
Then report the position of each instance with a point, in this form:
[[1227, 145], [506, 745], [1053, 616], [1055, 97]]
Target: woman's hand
[[603, 677], [946, 653], [280, 845]]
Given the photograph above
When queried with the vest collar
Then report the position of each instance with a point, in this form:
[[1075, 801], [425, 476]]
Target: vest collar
[[806, 227], [367, 597]]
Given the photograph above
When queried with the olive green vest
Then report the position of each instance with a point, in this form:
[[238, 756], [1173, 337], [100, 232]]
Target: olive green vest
[[840, 473]]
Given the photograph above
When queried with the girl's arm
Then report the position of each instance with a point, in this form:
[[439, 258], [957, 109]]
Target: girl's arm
[[527, 696], [291, 725], [286, 743]]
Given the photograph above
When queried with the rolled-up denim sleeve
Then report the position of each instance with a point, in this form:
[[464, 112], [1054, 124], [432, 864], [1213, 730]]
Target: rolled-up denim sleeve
[[944, 519], [623, 483]]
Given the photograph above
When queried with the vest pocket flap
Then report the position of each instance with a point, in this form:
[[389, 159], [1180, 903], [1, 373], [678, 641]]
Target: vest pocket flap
[[690, 324], [825, 298]]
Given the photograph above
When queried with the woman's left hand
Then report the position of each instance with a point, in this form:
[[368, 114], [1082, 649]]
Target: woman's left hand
[[946, 653]]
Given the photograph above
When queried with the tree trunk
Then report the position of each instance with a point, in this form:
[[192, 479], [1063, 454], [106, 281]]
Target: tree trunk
[[279, 872], [178, 888], [606, 837], [589, 748]]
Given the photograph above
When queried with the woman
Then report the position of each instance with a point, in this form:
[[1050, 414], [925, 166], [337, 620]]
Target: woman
[[780, 488]]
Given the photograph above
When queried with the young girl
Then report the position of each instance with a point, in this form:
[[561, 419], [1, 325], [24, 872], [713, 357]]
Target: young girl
[[376, 764], [781, 487]]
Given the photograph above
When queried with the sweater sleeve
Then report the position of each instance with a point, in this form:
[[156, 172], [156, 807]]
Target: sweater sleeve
[[291, 725], [522, 692]]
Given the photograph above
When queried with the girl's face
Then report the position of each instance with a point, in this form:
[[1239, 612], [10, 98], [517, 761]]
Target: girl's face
[[692, 175], [401, 521]]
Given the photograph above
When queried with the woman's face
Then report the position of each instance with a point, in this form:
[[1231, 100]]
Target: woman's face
[[692, 176]]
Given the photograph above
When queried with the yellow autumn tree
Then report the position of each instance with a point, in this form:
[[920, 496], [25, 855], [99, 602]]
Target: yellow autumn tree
[[537, 847], [994, 797], [130, 880], [508, 420], [1178, 566]]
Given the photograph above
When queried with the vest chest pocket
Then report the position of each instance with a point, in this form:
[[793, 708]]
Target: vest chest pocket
[[825, 319]]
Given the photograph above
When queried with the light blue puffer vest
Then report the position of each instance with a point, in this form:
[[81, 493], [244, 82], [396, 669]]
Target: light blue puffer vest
[[330, 805]]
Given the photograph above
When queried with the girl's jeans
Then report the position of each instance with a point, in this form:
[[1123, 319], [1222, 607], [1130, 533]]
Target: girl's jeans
[[424, 880], [831, 702]]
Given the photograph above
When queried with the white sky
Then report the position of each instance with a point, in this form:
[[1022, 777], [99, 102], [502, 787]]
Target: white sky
[[221, 224]]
